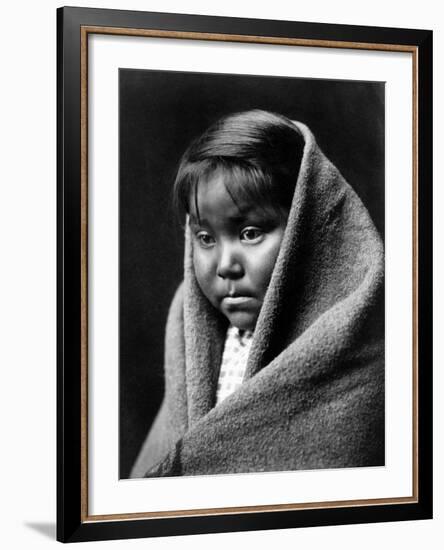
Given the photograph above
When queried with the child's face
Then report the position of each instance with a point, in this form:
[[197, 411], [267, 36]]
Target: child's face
[[234, 251]]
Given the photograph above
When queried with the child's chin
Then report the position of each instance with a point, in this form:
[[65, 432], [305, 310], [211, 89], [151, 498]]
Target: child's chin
[[242, 320]]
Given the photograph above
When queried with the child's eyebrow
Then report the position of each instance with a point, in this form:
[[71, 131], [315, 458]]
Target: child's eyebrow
[[201, 222], [244, 215], [238, 218], [234, 220]]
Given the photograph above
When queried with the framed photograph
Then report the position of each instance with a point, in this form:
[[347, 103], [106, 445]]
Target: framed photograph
[[244, 274]]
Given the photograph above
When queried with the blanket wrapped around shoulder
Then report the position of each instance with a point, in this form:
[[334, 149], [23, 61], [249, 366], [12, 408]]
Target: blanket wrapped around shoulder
[[313, 390]]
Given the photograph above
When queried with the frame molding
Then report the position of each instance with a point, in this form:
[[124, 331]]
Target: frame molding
[[73, 521]]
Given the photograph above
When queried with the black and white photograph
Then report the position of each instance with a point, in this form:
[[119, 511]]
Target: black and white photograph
[[251, 274]]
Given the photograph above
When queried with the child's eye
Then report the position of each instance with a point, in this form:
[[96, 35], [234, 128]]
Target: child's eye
[[252, 234], [205, 239]]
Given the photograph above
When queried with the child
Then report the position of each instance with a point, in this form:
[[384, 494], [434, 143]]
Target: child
[[274, 350]]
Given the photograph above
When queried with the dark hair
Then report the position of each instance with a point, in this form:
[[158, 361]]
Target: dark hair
[[258, 152]]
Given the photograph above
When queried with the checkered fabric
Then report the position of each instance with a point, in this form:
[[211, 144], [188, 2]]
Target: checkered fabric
[[234, 362]]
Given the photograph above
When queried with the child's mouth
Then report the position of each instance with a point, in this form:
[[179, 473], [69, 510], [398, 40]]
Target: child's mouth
[[234, 301]]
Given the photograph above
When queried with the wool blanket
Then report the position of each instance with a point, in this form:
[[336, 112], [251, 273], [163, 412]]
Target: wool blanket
[[313, 391]]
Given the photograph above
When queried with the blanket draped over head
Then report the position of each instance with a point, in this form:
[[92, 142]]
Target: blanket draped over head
[[313, 390]]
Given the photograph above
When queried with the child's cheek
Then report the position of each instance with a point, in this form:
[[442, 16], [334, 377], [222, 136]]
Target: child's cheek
[[205, 271], [263, 261]]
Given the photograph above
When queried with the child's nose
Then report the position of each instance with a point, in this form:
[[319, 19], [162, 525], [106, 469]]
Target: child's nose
[[229, 264]]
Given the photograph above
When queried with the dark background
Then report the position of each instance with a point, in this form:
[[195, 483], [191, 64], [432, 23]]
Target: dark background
[[159, 113]]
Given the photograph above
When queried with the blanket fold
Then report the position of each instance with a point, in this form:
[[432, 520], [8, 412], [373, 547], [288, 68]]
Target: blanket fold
[[313, 391]]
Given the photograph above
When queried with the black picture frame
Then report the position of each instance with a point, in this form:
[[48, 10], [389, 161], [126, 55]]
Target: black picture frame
[[73, 25]]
